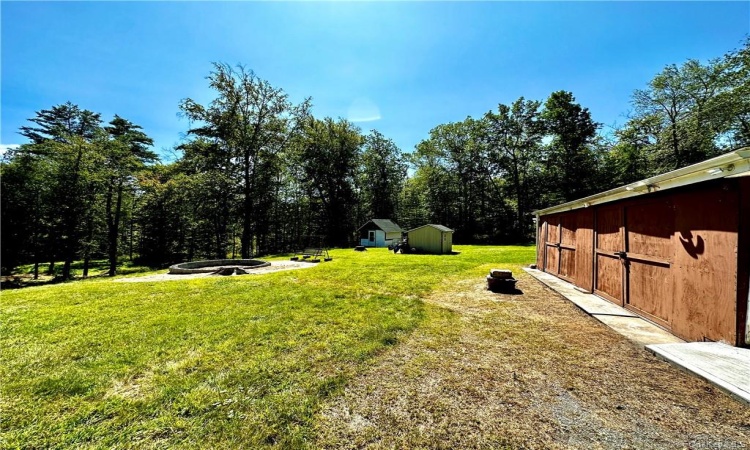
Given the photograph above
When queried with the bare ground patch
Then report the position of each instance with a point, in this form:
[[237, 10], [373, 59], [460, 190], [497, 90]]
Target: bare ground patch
[[525, 371], [275, 266]]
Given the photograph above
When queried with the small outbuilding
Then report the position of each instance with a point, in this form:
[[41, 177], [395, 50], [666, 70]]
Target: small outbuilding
[[673, 248], [379, 233], [430, 238]]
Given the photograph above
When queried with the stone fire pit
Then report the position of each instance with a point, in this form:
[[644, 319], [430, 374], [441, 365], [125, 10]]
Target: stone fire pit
[[220, 266]]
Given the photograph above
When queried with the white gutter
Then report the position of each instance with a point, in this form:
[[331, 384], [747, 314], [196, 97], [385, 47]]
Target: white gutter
[[732, 164]]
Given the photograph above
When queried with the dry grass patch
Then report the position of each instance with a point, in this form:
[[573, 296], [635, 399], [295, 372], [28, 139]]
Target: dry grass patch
[[525, 371]]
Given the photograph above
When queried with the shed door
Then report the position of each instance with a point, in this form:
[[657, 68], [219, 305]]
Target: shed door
[[648, 259], [609, 245]]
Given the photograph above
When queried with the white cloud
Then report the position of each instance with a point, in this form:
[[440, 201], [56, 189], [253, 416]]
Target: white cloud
[[363, 109], [5, 147]]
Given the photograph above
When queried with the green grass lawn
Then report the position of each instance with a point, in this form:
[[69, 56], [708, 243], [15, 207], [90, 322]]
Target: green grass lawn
[[211, 362]]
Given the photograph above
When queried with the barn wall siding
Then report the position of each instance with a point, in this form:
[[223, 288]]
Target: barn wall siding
[[705, 278], [540, 238], [585, 250], [688, 256]]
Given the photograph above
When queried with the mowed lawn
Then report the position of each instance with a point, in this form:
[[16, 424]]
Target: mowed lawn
[[232, 362]]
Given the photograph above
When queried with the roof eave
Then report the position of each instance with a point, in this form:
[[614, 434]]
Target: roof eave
[[397, 229], [367, 223], [727, 165], [447, 230]]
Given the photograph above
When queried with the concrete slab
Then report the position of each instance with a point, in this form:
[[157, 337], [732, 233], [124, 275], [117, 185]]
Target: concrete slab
[[725, 366], [628, 324], [587, 302], [638, 330]]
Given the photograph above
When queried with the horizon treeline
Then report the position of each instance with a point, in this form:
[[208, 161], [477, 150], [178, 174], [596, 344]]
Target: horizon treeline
[[259, 174]]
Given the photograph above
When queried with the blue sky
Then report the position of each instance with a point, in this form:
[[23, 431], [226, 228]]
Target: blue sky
[[411, 66]]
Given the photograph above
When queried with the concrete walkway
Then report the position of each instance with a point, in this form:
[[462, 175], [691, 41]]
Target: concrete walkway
[[723, 365], [638, 330], [727, 367]]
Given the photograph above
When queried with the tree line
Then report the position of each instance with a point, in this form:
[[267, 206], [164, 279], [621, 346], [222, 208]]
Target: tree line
[[259, 174]]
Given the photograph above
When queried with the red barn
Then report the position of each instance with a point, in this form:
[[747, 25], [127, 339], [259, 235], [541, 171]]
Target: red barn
[[674, 248]]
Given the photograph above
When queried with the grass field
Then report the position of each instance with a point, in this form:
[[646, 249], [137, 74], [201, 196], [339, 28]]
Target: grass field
[[23, 276], [226, 362]]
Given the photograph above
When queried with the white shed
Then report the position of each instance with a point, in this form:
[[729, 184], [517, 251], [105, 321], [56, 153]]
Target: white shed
[[379, 233]]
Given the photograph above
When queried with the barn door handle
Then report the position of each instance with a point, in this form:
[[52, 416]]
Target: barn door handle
[[622, 255]]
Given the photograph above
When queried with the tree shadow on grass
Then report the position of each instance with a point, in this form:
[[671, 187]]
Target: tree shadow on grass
[[26, 279], [19, 282]]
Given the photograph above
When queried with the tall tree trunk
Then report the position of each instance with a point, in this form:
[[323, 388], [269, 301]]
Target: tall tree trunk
[[247, 233], [673, 118], [675, 145], [66, 268], [132, 226], [71, 220], [520, 203], [113, 231], [35, 246], [87, 247], [130, 249]]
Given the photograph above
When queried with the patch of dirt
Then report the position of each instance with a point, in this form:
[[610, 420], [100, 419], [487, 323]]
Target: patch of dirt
[[275, 266], [525, 371], [129, 388]]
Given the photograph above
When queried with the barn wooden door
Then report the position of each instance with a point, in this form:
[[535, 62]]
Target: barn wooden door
[[560, 246], [567, 246], [552, 246], [633, 257], [648, 257], [609, 246]]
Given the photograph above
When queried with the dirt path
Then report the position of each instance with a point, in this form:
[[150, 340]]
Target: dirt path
[[526, 371], [275, 266]]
